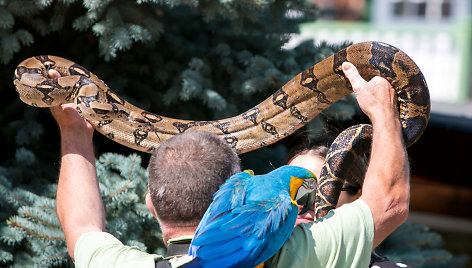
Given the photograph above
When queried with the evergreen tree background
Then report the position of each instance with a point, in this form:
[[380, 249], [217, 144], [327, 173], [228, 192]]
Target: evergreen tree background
[[189, 59]]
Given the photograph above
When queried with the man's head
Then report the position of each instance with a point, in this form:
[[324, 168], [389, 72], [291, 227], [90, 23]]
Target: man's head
[[184, 173]]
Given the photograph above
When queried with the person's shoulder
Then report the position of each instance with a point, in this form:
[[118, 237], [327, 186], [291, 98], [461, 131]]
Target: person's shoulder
[[310, 244], [358, 207], [101, 249], [96, 238], [354, 218]]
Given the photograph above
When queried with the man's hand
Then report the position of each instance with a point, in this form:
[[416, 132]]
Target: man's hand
[[70, 122], [67, 117], [376, 98]]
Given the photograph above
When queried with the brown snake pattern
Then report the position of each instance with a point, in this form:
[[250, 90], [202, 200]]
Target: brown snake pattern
[[289, 108]]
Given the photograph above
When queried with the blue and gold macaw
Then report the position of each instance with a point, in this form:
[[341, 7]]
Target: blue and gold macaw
[[250, 218]]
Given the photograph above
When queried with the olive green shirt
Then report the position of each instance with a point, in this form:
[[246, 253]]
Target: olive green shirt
[[343, 238]]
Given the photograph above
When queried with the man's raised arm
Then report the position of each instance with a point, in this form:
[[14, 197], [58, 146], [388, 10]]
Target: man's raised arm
[[78, 202], [386, 188]]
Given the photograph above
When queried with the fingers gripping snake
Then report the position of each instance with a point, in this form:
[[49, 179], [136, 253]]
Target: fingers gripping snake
[[289, 108]]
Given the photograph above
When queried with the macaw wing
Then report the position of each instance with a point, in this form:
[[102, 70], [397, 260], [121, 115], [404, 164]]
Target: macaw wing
[[274, 229], [247, 235], [231, 194], [233, 190]]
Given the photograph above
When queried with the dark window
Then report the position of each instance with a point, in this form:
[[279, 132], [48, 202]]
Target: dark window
[[446, 9], [421, 11], [398, 9]]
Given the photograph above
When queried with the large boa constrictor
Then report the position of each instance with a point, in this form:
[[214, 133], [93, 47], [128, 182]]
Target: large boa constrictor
[[289, 108]]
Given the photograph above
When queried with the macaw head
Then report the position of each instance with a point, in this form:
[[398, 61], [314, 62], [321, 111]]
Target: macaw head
[[302, 181]]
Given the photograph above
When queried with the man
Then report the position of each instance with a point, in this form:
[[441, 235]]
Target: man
[[344, 238]]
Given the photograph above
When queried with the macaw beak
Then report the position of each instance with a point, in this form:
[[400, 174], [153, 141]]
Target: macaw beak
[[308, 186], [307, 202], [305, 195], [301, 187]]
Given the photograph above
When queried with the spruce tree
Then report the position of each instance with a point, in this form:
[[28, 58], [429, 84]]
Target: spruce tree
[[199, 60], [33, 236]]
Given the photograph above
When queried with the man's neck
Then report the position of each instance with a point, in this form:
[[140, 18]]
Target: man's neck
[[173, 232]]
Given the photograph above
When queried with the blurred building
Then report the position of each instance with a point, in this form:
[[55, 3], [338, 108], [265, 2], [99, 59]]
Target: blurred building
[[435, 33]]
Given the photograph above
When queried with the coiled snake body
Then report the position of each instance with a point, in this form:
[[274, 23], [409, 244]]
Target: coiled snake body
[[289, 108]]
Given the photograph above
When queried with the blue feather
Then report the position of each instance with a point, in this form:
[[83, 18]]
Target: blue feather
[[248, 221]]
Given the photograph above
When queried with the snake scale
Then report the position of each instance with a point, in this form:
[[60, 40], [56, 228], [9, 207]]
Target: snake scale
[[289, 108]]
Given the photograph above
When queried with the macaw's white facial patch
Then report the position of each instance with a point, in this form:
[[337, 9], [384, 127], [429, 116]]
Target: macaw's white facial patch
[[309, 185]]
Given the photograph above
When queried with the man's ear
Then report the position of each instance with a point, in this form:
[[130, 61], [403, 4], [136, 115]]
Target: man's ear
[[150, 205]]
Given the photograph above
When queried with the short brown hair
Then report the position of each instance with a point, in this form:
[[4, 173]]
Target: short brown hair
[[184, 173]]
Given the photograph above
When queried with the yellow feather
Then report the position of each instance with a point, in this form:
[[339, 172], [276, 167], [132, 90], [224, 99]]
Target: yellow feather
[[295, 183]]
